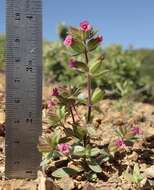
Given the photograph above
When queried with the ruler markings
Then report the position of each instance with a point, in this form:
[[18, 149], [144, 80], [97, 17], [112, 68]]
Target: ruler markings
[[23, 87]]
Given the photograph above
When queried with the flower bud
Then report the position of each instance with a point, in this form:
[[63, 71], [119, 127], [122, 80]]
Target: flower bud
[[120, 143], [64, 148], [50, 104], [55, 92], [85, 26], [68, 41], [72, 63], [136, 130], [99, 38]]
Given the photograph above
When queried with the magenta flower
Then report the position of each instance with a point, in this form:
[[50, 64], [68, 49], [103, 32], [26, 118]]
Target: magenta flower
[[64, 148], [99, 38], [55, 92], [120, 143], [72, 63], [85, 26], [68, 41], [50, 104], [136, 130]]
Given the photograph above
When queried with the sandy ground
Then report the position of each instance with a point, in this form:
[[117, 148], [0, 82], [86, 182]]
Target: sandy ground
[[141, 115]]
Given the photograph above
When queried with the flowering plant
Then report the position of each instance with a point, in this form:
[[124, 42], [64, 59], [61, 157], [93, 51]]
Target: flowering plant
[[74, 132]]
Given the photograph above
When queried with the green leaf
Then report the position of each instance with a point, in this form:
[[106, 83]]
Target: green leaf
[[134, 138], [94, 166], [91, 131], [91, 176], [87, 151], [82, 66], [61, 112], [94, 151], [75, 32], [85, 35], [100, 74], [53, 155], [136, 173], [78, 46], [95, 66], [97, 96], [79, 132], [44, 162], [103, 157], [123, 130], [53, 140], [65, 171], [135, 176], [92, 44], [104, 153], [118, 133], [53, 119], [50, 156], [78, 150]]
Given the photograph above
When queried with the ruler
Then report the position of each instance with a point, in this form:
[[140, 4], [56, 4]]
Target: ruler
[[23, 87]]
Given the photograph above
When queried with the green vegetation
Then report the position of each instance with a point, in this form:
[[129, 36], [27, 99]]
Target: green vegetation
[[129, 72], [75, 143], [2, 51]]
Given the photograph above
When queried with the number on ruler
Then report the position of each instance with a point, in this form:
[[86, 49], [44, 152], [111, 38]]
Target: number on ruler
[[16, 80], [17, 162], [17, 60], [16, 142], [17, 100], [29, 17], [17, 40], [16, 121], [29, 66], [17, 16], [29, 119]]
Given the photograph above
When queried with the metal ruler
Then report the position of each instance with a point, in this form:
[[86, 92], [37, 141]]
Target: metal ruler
[[23, 87]]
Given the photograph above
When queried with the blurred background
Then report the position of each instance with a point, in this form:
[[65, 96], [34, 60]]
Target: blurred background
[[128, 45]]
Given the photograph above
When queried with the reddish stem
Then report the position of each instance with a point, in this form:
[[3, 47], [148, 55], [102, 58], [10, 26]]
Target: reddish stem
[[73, 119], [76, 112], [89, 89]]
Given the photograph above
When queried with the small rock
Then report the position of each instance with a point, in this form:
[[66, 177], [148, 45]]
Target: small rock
[[2, 130], [151, 182], [50, 185], [149, 172], [133, 156], [143, 182], [88, 186], [66, 183], [45, 183]]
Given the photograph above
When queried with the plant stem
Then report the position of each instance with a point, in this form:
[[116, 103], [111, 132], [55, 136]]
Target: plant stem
[[89, 98], [89, 88], [76, 111], [62, 124], [73, 119]]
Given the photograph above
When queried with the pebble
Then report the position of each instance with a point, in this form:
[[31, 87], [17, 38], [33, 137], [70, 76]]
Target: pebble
[[149, 172]]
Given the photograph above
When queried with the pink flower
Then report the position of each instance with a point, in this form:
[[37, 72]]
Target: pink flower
[[99, 38], [85, 26], [72, 63], [55, 92], [120, 143], [64, 148], [50, 104], [136, 130], [68, 41]]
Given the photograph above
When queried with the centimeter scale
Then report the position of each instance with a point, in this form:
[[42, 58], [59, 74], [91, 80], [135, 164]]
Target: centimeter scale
[[23, 87]]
